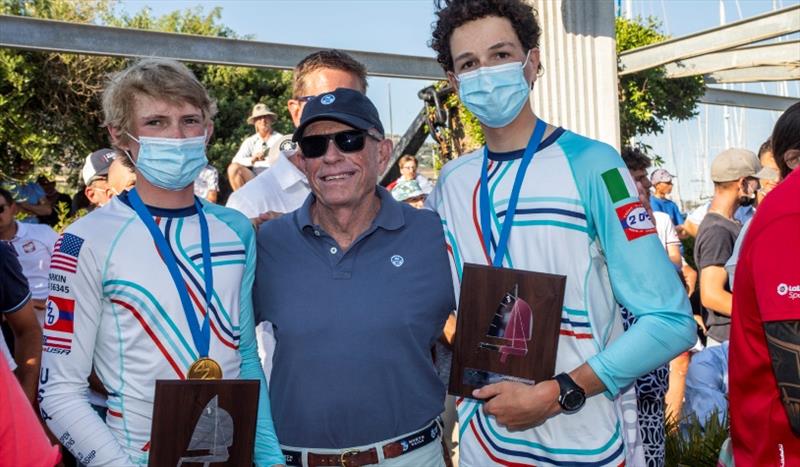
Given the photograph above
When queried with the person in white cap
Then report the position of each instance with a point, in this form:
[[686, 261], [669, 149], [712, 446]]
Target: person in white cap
[[95, 176], [735, 173], [251, 159], [662, 187]]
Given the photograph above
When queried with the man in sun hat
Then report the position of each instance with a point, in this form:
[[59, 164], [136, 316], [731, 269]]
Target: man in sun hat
[[357, 287], [251, 159], [409, 192]]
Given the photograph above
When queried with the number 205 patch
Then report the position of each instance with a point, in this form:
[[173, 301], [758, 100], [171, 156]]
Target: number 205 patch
[[635, 220]]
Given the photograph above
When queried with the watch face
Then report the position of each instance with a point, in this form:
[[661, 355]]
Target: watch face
[[573, 400]]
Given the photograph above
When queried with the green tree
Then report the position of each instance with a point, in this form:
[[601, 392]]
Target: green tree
[[648, 98], [50, 109]]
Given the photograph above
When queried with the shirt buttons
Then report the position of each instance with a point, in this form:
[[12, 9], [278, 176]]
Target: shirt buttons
[[334, 250]]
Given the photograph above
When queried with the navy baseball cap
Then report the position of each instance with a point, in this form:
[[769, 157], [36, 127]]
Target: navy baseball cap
[[342, 105]]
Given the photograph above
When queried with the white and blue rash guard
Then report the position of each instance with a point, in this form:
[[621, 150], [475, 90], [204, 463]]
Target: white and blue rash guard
[[113, 307], [579, 216]]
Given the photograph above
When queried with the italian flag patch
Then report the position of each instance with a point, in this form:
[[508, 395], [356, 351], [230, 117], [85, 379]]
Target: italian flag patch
[[619, 184]]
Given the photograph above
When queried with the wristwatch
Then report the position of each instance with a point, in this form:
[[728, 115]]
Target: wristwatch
[[572, 397]]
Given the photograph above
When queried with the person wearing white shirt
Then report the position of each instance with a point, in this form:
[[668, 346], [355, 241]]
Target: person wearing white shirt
[[206, 185], [251, 159], [33, 244]]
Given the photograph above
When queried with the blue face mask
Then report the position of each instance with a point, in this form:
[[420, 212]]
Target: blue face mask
[[497, 94], [171, 163]]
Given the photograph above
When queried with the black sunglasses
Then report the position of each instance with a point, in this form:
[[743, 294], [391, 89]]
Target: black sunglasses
[[347, 141], [3, 208]]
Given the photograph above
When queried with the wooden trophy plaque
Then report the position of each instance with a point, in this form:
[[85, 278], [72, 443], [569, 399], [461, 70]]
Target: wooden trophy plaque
[[507, 329], [204, 422]]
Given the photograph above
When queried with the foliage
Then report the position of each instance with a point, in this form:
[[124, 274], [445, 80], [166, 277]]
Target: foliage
[[460, 134], [691, 444], [50, 110], [648, 98], [64, 217]]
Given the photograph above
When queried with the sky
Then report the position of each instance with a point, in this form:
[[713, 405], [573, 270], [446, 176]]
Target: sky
[[404, 27]]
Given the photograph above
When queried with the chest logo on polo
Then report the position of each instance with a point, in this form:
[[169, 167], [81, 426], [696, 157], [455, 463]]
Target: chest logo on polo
[[397, 260]]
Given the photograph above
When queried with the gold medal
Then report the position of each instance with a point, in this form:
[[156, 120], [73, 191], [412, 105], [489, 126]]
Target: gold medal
[[205, 368]]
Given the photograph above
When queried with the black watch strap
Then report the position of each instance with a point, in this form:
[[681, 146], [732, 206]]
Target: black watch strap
[[571, 397]]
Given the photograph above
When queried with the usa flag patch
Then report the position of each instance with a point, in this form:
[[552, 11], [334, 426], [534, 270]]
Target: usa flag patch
[[59, 323], [67, 249]]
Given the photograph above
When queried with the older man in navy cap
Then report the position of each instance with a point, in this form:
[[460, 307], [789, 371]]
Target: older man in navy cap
[[358, 287]]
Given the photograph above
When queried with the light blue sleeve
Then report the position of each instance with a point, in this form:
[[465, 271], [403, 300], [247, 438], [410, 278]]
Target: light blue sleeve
[[642, 277], [267, 450]]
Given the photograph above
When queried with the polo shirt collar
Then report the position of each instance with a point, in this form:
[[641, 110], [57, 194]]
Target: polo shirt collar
[[390, 216], [286, 173], [22, 230]]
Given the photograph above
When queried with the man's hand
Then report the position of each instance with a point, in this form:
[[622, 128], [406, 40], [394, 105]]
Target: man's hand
[[518, 406], [264, 217]]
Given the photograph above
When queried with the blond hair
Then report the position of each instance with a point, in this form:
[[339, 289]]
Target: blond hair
[[158, 78]]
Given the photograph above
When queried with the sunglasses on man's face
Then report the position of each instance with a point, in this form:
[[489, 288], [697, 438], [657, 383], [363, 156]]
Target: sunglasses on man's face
[[316, 146]]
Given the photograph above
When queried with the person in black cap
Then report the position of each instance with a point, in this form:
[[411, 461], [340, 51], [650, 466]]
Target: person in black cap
[[353, 382]]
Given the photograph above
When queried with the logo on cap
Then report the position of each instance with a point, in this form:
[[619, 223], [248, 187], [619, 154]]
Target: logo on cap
[[327, 99], [397, 260]]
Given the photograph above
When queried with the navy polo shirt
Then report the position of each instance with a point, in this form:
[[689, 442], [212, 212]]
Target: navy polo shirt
[[353, 329]]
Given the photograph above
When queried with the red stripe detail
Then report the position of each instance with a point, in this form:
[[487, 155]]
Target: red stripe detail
[[564, 332], [58, 346], [152, 336], [475, 210], [54, 338], [203, 312], [489, 453], [114, 413], [459, 401]]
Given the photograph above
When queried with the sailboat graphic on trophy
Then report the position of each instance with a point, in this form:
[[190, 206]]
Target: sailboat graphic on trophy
[[512, 323], [213, 433]]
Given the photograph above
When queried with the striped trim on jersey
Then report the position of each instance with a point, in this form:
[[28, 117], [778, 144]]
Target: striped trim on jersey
[[492, 444]]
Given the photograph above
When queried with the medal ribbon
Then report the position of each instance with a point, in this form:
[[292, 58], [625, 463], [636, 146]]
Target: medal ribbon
[[486, 207], [201, 334]]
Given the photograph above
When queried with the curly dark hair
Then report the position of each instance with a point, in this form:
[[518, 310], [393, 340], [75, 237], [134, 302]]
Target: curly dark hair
[[453, 13], [635, 159], [786, 136]]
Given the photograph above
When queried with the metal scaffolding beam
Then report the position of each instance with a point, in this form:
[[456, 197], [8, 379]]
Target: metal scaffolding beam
[[758, 28], [749, 100], [780, 53], [59, 36], [754, 74]]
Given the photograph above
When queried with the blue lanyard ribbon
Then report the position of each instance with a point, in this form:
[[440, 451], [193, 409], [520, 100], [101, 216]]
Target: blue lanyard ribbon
[[201, 335], [487, 207]]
